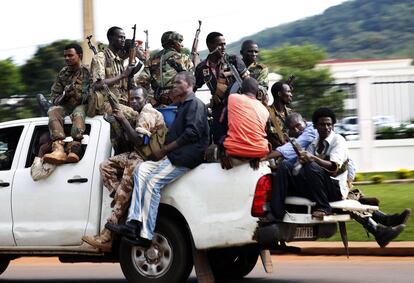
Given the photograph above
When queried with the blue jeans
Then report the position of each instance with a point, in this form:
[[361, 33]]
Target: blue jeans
[[149, 178]]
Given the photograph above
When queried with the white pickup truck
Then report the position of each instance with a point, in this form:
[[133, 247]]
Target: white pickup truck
[[221, 211]]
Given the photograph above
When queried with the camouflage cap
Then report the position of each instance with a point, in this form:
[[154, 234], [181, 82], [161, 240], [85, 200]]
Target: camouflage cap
[[170, 36]]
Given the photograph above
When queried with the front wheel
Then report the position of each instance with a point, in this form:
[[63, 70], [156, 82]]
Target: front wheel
[[168, 260], [4, 263]]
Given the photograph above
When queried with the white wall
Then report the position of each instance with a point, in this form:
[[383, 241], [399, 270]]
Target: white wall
[[395, 100], [387, 155]]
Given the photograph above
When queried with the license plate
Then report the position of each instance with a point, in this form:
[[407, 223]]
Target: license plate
[[304, 232]]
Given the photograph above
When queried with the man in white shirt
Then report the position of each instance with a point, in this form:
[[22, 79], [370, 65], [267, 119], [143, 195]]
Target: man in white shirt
[[323, 176]]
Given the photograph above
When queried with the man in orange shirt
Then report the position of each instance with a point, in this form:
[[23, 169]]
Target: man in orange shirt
[[247, 118]]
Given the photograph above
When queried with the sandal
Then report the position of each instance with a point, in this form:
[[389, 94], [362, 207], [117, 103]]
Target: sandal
[[319, 214]]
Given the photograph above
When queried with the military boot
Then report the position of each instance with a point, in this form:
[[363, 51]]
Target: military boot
[[58, 155], [75, 151], [383, 234], [392, 219]]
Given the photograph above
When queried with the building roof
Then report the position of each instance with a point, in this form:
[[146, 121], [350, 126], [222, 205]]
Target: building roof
[[359, 60]]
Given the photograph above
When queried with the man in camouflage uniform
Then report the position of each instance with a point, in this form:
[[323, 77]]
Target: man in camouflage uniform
[[249, 51], [69, 95], [282, 96], [215, 72], [146, 134], [107, 67], [163, 66]]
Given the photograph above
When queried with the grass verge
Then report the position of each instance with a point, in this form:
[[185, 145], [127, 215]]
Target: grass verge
[[394, 198]]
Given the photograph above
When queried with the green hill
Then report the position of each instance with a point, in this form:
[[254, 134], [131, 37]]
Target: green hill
[[358, 28]]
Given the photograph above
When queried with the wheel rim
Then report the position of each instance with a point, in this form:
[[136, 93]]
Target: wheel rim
[[155, 261]]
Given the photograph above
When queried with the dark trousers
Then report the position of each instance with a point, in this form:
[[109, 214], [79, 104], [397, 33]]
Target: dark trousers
[[219, 129], [311, 182]]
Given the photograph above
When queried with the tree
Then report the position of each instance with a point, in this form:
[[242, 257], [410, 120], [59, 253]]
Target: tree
[[18, 106], [10, 79], [312, 87], [40, 71]]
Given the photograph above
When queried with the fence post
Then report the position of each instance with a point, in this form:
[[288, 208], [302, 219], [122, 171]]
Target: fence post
[[365, 125]]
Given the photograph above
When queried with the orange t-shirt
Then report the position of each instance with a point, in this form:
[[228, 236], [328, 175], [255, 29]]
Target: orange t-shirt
[[246, 135]]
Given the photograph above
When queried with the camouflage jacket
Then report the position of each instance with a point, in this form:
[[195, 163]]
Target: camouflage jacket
[[165, 65], [276, 130], [219, 79], [161, 68], [106, 65], [77, 94], [260, 72]]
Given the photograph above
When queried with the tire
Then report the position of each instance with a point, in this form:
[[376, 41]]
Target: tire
[[4, 263], [171, 251], [233, 263]]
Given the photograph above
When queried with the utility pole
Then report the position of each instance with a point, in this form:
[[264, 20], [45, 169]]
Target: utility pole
[[87, 30]]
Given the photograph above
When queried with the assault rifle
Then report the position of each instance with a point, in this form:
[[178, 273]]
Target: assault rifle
[[107, 92], [298, 149], [90, 45], [132, 59], [146, 48], [289, 81], [195, 57], [237, 84]]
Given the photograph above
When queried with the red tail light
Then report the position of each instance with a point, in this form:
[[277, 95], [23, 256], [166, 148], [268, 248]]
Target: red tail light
[[262, 195]]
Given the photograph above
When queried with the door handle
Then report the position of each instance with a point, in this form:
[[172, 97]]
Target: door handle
[[4, 184], [78, 180]]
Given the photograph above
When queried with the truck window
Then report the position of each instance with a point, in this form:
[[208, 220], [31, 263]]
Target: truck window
[[9, 138], [40, 130]]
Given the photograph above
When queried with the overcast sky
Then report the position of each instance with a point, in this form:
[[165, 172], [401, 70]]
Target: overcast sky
[[26, 24]]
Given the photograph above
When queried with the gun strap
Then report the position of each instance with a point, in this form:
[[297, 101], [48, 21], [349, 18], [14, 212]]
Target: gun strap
[[341, 169], [273, 119], [85, 88], [234, 70]]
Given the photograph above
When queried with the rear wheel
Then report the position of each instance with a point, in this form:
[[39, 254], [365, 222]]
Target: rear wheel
[[233, 263], [4, 263], [168, 260]]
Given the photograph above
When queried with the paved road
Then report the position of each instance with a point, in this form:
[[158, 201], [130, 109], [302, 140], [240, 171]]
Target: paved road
[[288, 269]]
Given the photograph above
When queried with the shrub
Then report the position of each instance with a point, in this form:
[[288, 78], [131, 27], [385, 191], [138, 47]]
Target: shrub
[[377, 179], [358, 177], [403, 173]]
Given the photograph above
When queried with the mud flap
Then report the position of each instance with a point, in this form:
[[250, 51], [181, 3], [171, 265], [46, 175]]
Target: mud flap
[[266, 261], [202, 266], [344, 237]]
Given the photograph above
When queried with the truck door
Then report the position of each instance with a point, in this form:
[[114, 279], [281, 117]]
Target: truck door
[[9, 147], [53, 211]]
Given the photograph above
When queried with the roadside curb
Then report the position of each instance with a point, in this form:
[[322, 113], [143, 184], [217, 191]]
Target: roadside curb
[[355, 248]]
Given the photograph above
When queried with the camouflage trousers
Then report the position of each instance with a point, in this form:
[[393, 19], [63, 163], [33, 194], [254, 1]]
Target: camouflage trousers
[[56, 115], [117, 177]]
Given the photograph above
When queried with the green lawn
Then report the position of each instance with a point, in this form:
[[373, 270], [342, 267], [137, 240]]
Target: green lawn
[[394, 198]]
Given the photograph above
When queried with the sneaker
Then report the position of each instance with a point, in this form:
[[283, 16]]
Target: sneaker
[[137, 241], [320, 214], [129, 229], [384, 235]]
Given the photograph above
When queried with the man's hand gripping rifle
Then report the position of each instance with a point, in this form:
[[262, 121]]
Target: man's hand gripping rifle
[[299, 151]]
